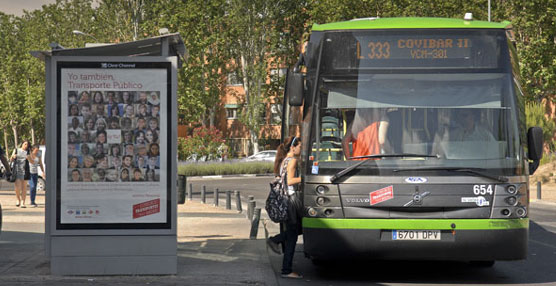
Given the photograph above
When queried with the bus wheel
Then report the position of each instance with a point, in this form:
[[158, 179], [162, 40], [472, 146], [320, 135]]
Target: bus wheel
[[482, 264]]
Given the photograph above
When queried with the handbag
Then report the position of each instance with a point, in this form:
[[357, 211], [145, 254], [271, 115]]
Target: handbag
[[13, 175], [27, 175]]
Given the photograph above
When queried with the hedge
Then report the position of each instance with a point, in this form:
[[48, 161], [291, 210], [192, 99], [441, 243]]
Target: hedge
[[209, 169]]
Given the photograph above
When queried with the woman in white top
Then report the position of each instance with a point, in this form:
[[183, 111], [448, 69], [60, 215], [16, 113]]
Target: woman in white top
[[19, 155], [285, 166], [34, 162]]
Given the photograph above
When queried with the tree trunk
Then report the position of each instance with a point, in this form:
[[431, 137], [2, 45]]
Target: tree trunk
[[32, 133], [14, 130], [212, 116], [6, 143], [252, 134], [254, 141]]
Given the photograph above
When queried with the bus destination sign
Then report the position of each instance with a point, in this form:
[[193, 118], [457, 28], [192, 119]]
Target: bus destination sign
[[413, 48]]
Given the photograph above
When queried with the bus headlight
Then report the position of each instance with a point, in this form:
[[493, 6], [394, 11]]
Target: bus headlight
[[312, 212], [322, 189], [506, 212], [321, 201], [521, 212], [512, 201], [511, 189]]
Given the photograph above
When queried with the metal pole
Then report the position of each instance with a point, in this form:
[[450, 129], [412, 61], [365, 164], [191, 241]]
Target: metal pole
[[190, 194], [204, 194], [539, 191], [216, 197], [182, 183], [228, 200], [489, 10], [251, 209], [238, 201], [255, 224]]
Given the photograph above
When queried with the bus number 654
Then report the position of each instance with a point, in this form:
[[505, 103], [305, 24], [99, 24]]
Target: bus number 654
[[482, 190]]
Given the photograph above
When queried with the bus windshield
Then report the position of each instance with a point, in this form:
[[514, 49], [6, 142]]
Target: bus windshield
[[451, 104]]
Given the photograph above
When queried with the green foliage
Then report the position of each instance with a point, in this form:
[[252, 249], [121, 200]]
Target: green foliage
[[204, 143], [549, 159], [535, 116], [248, 37], [226, 168]]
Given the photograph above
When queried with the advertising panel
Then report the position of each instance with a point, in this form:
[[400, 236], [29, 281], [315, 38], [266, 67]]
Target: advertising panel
[[113, 145]]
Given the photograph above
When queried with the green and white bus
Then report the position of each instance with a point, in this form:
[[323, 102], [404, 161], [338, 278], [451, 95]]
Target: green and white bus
[[438, 187]]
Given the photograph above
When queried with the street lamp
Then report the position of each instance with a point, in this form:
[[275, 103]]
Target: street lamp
[[77, 32]]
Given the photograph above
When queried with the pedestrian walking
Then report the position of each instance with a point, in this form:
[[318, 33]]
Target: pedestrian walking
[[35, 162], [285, 165], [5, 162], [20, 157]]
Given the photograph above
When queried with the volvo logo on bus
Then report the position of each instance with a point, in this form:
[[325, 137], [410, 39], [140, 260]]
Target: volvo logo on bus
[[416, 180]]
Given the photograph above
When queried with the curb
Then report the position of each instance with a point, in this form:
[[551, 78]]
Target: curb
[[543, 203]]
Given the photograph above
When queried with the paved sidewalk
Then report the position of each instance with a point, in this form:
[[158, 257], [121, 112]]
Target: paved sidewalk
[[213, 249]]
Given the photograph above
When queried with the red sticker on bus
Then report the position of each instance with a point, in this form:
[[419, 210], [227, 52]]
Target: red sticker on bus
[[146, 208], [382, 195]]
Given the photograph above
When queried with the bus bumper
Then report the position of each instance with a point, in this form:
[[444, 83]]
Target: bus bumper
[[470, 240]]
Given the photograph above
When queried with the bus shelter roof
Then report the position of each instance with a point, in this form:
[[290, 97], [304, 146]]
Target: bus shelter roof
[[164, 45]]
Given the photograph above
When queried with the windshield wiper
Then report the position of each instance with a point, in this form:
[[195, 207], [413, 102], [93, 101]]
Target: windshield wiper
[[370, 157], [477, 171]]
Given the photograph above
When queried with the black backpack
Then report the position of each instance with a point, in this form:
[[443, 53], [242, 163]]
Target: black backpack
[[277, 201]]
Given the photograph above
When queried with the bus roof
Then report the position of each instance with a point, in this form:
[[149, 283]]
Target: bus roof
[[409, 23]]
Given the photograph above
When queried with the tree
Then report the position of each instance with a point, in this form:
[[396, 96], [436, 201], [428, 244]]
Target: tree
[[263, 35], [203, 26]]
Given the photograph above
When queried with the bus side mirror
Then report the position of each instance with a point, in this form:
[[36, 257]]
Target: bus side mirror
[[294, 88], [534, 144]]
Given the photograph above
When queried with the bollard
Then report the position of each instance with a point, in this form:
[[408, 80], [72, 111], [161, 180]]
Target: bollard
[[249, 213], [255, 224], [190, 194], [216, 197], [539, 191], [251, 209], [204, 195], [182, 183], [228, 200], [238, 201]]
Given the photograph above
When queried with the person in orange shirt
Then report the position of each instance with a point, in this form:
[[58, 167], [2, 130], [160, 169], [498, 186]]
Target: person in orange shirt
[[367, 133]]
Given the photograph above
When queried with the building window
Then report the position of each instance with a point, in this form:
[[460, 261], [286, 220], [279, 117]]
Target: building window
[[233, 79], [276, 113], [276, 74], [231, 113]]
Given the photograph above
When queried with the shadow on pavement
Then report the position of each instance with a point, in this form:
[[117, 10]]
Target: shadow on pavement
[[208, 262], [538, 268]]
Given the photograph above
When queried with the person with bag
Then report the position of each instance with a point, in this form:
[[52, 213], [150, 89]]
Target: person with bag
[[21, 169], [5, 162], [34, 161], [285, 166]]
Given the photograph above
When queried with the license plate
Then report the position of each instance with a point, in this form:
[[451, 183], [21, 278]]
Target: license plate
[[415, 234]]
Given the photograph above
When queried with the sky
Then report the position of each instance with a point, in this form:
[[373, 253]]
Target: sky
[[16, 7]]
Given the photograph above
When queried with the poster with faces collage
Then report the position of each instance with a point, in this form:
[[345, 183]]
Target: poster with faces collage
[[113, 136]]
